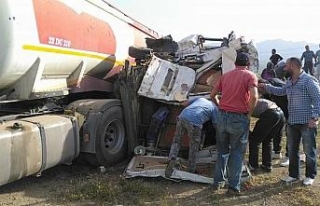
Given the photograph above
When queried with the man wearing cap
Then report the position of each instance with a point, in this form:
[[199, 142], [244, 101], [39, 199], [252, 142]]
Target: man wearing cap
[[239, 95]]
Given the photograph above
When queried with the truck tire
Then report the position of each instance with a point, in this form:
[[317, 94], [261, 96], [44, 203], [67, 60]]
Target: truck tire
[[111, 143]]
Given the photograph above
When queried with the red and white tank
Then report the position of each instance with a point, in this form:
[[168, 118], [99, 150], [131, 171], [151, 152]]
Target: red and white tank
[[63, 45]]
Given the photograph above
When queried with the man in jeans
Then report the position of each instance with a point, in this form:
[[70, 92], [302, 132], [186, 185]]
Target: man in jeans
[[190, 121], [308, 56], [239, 97], [303, 95]]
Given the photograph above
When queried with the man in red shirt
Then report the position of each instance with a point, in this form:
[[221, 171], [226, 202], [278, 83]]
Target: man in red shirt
[[239, 95]]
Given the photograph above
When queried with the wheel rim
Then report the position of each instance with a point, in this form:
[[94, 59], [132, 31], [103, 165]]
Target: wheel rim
[[114, 137]]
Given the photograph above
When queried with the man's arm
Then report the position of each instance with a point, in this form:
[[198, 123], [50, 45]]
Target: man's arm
[[278, 91], [214, 96], [253, 99], [280, 57], [302, 56], [314, 93]]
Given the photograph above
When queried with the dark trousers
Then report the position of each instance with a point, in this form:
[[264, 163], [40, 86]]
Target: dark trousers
[[268, 125], [308, 67], [277, 142]]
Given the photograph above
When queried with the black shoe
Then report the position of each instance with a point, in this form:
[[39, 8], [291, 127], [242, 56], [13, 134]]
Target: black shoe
[[233, 192], [169, 169], [252, 169], [265, 168]]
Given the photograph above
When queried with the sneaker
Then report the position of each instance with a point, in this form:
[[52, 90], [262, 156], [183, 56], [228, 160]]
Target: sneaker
[[218, 186], [302, 157], [285, 163], [289, 179], [276, 155], [308, 181], [169, 169]]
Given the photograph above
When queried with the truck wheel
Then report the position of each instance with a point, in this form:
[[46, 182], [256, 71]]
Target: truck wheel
[[111, 143]]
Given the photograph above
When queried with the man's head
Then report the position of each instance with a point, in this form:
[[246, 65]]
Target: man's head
[[273, 51], [293, 66], [269, 65], [307, 47], [242, 59]]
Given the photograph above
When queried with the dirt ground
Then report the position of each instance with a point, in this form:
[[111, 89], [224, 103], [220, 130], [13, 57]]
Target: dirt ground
[[72, 185]]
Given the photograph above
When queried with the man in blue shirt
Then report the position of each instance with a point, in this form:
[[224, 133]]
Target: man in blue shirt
[[308, 56], [190, 121], [303, 95]]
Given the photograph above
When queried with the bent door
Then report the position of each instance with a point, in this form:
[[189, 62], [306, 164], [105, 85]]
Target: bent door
[[167, 81]]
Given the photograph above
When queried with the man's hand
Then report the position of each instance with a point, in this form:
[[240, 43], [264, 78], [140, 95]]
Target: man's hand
[[313, 123], [262, 86], [262, 81], [214, 96], [185, 103]]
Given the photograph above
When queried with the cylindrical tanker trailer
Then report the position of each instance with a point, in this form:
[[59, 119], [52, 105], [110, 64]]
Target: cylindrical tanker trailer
[[50, 49]]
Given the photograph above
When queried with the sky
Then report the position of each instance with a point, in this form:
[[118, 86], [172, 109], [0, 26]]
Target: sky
[[258, 20]]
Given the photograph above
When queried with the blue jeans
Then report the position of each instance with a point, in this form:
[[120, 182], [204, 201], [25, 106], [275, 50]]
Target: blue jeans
[[308, 135], [232, 139]]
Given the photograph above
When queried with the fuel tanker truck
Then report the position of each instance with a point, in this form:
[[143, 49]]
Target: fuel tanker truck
[[55, 53]]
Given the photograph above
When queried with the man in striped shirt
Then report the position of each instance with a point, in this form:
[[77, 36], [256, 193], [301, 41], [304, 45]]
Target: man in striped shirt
[[303, 95]]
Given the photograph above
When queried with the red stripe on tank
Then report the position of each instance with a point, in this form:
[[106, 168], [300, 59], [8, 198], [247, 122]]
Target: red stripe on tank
[[59, 25]]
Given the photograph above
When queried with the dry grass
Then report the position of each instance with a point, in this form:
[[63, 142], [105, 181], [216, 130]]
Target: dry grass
[[261, 189], [82, 185], [111, 191]]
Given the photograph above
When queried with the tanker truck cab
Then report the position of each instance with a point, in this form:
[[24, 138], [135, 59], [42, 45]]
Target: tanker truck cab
[[59, 61]]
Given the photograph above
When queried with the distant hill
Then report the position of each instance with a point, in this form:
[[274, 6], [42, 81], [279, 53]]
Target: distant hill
[[286, 49]]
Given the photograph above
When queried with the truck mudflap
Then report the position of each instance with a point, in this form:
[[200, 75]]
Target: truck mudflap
[[31, 145], [154, 166]]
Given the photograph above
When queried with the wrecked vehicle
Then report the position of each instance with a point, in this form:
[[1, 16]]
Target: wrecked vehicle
[[168, 73], [61, 93]]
